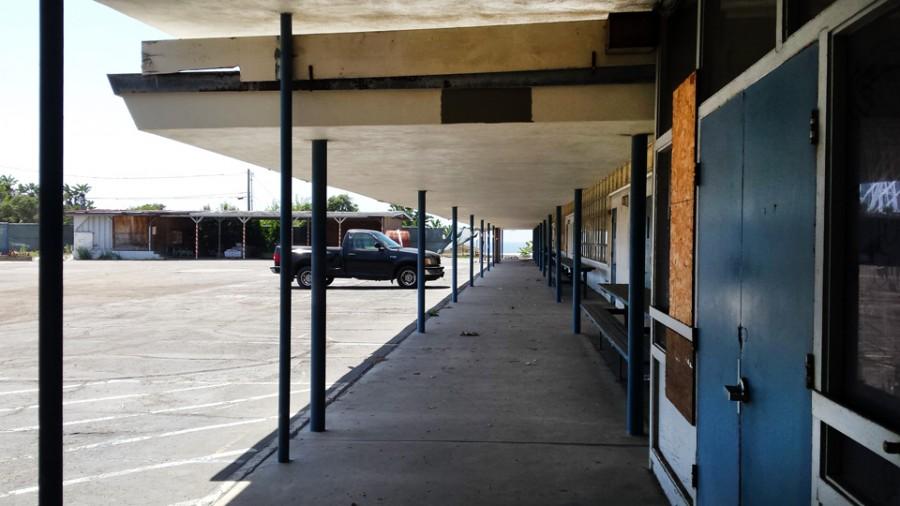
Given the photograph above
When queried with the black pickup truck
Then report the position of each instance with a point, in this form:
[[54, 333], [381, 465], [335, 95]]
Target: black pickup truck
[[364, 254]]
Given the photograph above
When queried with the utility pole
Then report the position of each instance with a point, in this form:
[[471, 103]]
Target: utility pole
[[249, 190]]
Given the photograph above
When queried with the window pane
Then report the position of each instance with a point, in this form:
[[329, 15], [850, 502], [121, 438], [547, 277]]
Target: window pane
[[678, 56], [871, 300], [661, 242], [860, 472], [799, 12], [736, 33]]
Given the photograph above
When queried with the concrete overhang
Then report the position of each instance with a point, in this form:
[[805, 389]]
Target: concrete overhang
[[226, 18], [503, 122]]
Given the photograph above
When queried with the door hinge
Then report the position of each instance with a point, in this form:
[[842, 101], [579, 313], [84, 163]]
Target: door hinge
[[694, 477], [697, 174], [810, 371], [814, 127]]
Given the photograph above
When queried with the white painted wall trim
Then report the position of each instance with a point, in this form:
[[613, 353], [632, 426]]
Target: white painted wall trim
[[666, 480], [826, 494], [860, 429], [683, 330], [842, 14], [664, 141]]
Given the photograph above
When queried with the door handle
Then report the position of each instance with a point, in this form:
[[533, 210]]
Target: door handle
[[739, 392], [351, 254]]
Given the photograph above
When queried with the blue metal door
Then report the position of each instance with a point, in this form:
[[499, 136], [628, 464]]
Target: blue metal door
[[719, 301], [778, 282], [755, 284]]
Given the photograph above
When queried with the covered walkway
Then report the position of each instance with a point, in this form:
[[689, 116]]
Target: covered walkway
[[524, 412]]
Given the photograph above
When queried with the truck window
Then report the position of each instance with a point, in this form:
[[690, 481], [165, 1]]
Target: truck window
[[363, 242]]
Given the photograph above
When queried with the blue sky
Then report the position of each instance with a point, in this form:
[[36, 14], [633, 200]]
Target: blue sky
[[103, 148]]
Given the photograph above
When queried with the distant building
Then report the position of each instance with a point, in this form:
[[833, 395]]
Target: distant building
[[204, 234]]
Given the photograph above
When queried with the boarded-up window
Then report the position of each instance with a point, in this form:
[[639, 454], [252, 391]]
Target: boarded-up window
[[681, 202], [130, 232], [680, 375]]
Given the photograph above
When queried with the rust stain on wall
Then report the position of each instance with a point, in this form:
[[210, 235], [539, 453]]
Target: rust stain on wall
[[681, 220], [680, 374]]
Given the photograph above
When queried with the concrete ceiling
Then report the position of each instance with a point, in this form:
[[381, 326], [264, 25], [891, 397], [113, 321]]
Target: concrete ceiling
[[508, 174], [229, 18]]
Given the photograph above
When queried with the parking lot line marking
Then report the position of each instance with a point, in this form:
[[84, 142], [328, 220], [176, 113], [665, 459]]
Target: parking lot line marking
[[118, 397], [74, 385], [138, 439], [154, 412], [215, 458], [350, 343]]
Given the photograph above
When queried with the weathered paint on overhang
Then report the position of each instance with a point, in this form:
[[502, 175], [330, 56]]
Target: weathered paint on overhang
[[224, 18], [399, 53]]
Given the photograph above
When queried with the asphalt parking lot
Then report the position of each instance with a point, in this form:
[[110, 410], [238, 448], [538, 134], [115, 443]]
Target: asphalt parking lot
[[171, 370]]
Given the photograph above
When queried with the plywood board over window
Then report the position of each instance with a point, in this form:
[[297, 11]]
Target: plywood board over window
[[680, 353], [681, 200], [680, 375]]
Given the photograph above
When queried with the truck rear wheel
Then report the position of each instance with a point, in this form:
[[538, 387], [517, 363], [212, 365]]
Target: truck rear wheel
[[304, 277], [406, 277]]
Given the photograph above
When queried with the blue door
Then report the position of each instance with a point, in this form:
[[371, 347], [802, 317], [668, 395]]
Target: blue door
[[719, 224], [756, 237], [778, 283]]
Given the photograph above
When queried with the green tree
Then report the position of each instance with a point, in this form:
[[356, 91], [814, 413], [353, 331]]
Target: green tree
[[19, 203], [7, 184], [75, 197], [225, 206], [342, 203], [526, 250], [148, 207]]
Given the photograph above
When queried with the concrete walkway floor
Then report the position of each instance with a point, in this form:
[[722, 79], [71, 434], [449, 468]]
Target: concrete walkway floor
[[524, 412]]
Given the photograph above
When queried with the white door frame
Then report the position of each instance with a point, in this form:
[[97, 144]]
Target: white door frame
[[837, 18]]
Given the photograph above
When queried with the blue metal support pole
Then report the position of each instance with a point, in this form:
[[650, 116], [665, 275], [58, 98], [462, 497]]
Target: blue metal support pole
[[420, 265], [496, 256], [550, 270], [286, 232], [576, 265], [637, 243], [558, 265], [50, 273], [319, 267], [488, 239], [471, 250], [540, 246], [544, 247], [454, 295], [496, 245], [481, 249]]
